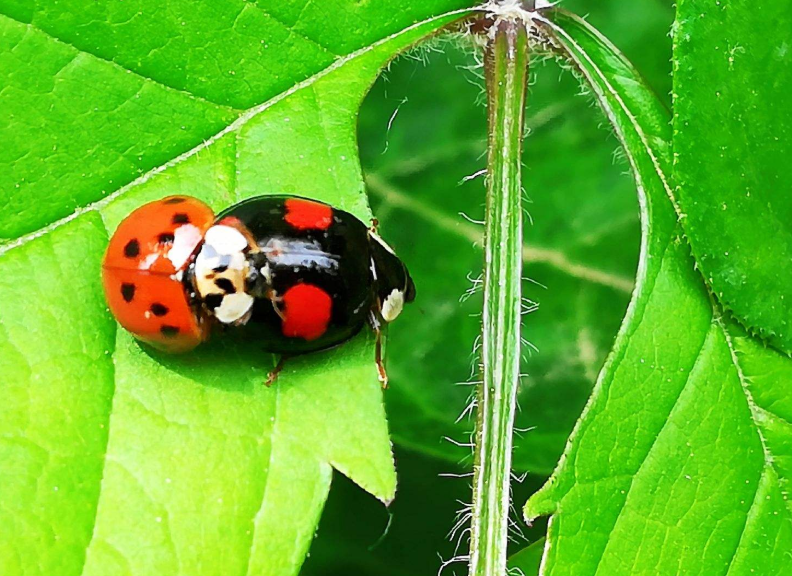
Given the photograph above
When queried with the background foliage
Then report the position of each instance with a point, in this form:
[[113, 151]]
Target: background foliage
[[584, 212]]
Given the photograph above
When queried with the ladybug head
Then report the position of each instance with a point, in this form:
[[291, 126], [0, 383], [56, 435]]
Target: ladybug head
[[393, 283]]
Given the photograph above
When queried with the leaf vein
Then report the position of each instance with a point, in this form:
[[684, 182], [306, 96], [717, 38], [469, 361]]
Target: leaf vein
[[292, 27], [651, 447], [753, 407], [748, 517], [113, 63], [243, 119], [104, 461]]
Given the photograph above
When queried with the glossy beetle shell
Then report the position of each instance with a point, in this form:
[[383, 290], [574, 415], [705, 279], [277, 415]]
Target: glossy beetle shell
[[313, 279]]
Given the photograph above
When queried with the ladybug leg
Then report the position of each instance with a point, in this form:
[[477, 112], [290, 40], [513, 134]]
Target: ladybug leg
[[382, 374], [273, 375]]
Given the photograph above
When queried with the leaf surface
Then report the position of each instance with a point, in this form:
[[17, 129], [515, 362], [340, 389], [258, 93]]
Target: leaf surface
[[732, 140], [118, 460], [675, 466], [97, 94]]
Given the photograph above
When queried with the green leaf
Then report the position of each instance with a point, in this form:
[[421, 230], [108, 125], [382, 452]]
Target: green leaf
[[679, 461], [640, 30], [732, 138], [527, 560], [118, 460], [423, 528], [580, 253], [358, 536], [96, 94]]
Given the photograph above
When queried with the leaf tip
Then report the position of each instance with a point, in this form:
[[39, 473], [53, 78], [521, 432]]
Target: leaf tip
[[541, 503]]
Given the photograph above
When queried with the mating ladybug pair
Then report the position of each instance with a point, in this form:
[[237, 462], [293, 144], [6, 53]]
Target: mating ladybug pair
[[297, 274]]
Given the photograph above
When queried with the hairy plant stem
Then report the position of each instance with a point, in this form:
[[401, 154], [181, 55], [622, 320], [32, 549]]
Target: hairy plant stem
[[507, 74]]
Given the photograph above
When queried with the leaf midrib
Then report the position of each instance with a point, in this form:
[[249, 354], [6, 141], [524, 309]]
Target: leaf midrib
[[111, 400], [113, 63], [273, 434]]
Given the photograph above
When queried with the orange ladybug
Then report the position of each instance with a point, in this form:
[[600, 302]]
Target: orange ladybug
[[143, 268]]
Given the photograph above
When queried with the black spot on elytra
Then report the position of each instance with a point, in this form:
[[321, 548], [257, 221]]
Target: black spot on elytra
[[128, 292], [225, 285], [175, 200], [169, 331], [165, 238], [132, 248], [180, 218], [220, 269], [159, 309], [212, 301]]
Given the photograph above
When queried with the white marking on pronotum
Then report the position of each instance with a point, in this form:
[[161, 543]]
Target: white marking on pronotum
[[224, 247], [233, 307], [393, 305], [225, 239]]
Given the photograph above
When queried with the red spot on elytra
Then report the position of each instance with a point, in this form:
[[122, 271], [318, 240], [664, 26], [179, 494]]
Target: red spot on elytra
[[308, 215], [306, 311]]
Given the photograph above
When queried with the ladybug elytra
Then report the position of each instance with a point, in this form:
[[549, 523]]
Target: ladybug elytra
[[296, 274]]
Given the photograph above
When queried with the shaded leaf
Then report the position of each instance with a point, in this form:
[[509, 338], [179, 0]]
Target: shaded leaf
[[675, 465], [732, 139], [423, 528], [528, 559], [118, 460]]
